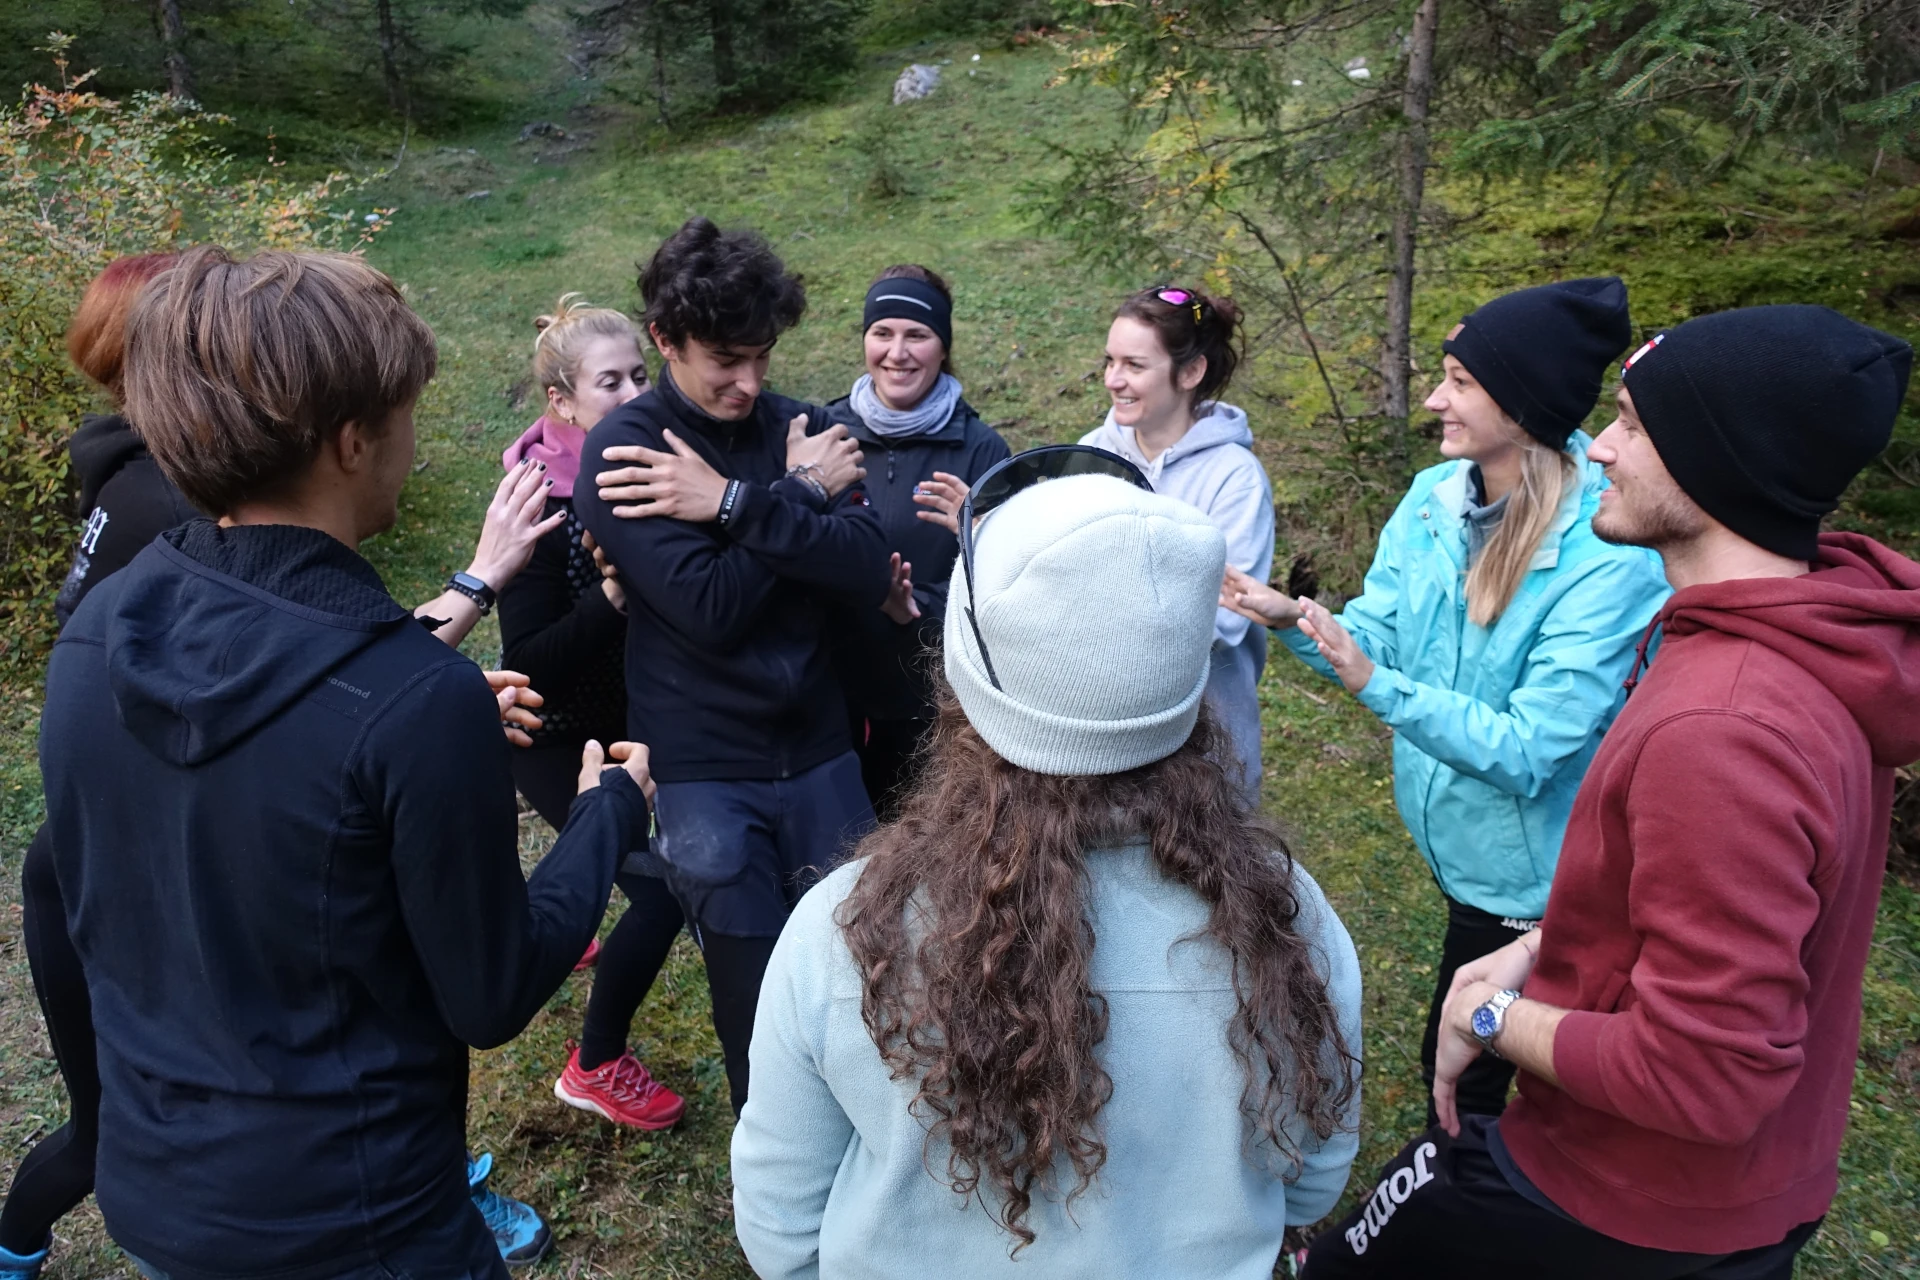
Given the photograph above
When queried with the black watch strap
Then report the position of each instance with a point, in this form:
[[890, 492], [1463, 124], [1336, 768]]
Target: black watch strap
[[473, 589]]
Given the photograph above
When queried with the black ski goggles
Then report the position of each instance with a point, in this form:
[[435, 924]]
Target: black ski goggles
[[1023, 471]]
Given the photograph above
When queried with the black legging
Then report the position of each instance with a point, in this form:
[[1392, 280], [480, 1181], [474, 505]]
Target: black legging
[[1471, 933], [58, 1173], [634, 952], [735, 967]]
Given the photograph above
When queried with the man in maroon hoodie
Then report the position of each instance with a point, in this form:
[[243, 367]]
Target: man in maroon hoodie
[[1686, 1016]]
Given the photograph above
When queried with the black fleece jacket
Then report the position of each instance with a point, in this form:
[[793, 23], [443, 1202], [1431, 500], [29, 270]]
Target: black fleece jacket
[[125, 502], [285, 833], [882, 664], [727, 670]]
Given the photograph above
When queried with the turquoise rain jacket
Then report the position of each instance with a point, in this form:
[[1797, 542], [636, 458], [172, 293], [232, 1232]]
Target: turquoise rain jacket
[[1493, 728]]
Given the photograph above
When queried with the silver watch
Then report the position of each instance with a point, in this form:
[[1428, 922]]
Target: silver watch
[[1490, 1018]]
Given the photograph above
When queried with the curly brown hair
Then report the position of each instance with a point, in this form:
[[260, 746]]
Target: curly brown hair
[[969, 926]]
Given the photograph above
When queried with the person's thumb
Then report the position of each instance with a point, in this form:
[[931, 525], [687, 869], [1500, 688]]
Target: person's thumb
[[678, 445], [592, 758], [797, 429]]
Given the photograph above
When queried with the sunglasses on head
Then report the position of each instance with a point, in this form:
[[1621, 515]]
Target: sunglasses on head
[[1023, 471], [1180, 298]]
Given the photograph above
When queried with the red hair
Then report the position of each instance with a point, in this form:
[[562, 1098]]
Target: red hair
[[97, 338]]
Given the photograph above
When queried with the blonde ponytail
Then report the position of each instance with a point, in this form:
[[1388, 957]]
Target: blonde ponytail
[[1545, 475], [563, 335]]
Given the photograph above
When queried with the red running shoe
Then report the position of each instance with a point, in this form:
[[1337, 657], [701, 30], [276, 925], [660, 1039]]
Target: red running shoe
[[621, 1090], [589, 958]]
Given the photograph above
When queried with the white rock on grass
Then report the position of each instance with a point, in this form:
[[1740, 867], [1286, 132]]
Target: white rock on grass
[[916, 82]]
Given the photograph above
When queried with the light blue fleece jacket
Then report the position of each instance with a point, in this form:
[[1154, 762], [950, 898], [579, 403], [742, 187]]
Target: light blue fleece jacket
[[1493, 727], [1212, 467], [830, 1171]]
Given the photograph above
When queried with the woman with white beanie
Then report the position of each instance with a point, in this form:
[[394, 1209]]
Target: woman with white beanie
[[1077, 1012]]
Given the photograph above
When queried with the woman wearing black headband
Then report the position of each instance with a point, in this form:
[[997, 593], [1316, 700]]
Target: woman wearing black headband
[[908, 415]]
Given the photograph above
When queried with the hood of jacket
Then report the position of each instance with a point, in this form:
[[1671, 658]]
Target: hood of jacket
[[1215, 424], [212, 632], [103, 444], [1853, 624], [1454, 495]]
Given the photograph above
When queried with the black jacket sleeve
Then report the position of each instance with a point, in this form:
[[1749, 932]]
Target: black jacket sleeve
[[704, 588], [494, 946], [547, 633], [841, 548], [709, 584]]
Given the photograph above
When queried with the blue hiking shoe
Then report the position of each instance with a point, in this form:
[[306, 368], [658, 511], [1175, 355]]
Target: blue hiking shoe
[[517, 1228], [14, 1266]]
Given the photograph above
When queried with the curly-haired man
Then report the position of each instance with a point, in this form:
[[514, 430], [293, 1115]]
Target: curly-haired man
[[744, 529]]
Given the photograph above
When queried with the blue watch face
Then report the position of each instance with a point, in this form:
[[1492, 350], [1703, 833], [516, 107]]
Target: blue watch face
[[1485, 1023]]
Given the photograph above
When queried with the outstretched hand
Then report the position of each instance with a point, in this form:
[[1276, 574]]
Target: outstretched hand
[[516, 699], [943, 497], [1251, 598], [679, 483], [900, 605], [832, 456], [1342, 652], [513, 524]]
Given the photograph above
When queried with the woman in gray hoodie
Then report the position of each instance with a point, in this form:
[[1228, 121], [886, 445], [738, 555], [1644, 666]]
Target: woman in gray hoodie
[[1170, 354]]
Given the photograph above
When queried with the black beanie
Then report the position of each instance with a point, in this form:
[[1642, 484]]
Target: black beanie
[[1764, 415], [1542, 352]]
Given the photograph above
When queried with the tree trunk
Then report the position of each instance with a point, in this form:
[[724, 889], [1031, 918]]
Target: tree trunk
[[1397, 364], [722, 23], [390, 65], [173, 35], [660, 64]]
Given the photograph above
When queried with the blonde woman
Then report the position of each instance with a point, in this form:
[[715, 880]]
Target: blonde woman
[[1495, 629], [565, 625]]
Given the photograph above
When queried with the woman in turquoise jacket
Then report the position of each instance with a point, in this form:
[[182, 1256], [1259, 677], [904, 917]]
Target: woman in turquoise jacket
[[1495, 629]]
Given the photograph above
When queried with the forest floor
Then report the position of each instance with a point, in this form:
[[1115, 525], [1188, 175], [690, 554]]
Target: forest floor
[[489, 230]]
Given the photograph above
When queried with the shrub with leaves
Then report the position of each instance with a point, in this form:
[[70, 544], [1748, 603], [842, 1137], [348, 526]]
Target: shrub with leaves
[[84, 180]]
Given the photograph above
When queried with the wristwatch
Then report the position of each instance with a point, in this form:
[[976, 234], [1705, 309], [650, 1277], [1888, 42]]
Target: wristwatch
[[1490, 1017], [473, 589]]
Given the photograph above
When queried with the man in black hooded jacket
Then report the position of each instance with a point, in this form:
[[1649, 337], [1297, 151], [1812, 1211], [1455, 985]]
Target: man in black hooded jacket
[[281, 812]]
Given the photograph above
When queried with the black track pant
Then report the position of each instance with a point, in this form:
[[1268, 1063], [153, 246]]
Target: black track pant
[[58, 1173], [1471, 933], [635, 950], [1443, 1210]]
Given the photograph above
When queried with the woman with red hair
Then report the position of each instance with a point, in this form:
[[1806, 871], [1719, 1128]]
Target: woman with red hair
[[124, 496]]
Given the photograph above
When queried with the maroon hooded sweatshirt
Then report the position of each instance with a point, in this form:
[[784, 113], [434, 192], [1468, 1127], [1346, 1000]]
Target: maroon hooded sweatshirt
[[1713, 906]]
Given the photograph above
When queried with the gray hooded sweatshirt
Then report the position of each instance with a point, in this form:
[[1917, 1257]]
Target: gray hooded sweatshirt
[[1212, 467]]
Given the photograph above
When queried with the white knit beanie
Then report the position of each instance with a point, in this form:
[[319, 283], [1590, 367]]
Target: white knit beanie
[[1097, 603]]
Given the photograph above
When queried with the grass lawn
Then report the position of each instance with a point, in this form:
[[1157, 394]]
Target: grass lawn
[[577, 214]]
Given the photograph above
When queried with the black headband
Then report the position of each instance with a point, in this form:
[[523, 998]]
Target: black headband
[[904, 298]]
